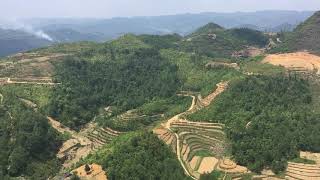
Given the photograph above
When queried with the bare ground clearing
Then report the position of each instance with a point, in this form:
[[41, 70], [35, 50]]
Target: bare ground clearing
[[303, 61]]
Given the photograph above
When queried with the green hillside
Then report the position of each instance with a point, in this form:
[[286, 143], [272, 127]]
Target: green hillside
[[28, 144], [215, 41], [127, 87], [304, 37]]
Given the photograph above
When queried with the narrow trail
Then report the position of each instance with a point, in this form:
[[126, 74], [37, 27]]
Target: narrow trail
[[9, 81], [196, 104]]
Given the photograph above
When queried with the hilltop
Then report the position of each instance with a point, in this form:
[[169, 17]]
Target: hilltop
[[216, 41]]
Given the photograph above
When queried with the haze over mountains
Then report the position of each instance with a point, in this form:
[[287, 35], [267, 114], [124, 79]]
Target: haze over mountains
[[100, 30]]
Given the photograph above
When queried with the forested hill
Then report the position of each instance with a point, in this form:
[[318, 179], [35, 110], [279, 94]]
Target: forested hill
[[304, 37], [124, 73], [133, 70], [113, 94], [214, 41]]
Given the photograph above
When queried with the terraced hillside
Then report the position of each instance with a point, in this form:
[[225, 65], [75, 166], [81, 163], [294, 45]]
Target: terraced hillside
[[29, 65], [303, 171], [127, 121], [81, 143], [200, 147]]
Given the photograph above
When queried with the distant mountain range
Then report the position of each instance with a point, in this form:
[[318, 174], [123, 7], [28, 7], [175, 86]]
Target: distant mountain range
[[72, 30]]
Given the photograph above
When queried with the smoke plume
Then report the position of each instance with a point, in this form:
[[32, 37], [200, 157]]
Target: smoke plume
[[16, 25]]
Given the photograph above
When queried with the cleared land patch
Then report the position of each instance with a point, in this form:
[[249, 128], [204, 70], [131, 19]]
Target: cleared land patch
[[300, 61]]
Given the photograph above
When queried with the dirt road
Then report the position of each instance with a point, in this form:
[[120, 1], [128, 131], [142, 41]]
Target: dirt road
[[9, 81], [193, 108]]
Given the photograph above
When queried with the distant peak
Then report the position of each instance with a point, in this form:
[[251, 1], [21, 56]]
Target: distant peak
[[209, 28], [212, 26]]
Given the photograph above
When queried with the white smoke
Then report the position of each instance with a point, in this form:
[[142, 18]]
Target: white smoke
[[16, 25]]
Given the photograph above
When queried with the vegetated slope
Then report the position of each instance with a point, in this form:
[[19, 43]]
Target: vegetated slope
[[268, 120], [214, 41], [27, 143], [125, 73], [13, 41], [304, 37], [138, 156]]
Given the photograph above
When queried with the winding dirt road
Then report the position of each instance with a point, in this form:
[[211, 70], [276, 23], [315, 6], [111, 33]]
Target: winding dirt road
[[221, 87]]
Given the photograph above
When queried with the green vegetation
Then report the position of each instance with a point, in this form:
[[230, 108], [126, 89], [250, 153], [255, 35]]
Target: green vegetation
[[254, 66], [125, 74], [214, 41], [134, 76], [268, 120], [27, 142], [161, 42], [302, 160], [304, 37], [215, 175], [38, 94], [194, 75], [145, 115], [140, 155], [131, 83], [68, 48]]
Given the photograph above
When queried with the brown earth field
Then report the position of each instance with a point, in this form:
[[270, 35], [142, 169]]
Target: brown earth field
[[303, 61]]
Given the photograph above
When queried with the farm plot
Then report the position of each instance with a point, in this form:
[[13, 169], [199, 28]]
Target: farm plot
[[168, 137], [82, 143], [203, 148], [305, 171]]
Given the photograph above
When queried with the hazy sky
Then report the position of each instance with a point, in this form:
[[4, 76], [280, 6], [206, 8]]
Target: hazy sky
[[114, 8]]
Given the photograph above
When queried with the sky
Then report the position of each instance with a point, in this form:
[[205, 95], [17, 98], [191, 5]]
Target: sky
[[12, 9]]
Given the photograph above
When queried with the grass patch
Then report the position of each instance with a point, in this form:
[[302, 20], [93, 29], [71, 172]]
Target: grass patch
[[257, 67], [203, 153], [303, 160], [39, 94]]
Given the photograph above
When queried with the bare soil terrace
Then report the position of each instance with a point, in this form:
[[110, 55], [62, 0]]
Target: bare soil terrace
[[303, 61]]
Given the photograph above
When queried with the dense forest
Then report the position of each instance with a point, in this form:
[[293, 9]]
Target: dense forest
[[124, 78], [140, 155], [268, 120], [27, 143]]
